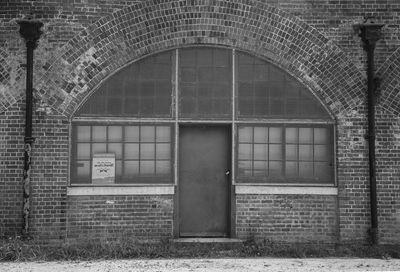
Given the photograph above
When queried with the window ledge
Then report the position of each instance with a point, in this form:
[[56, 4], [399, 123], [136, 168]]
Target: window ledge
[[120, 190], [285, 190]]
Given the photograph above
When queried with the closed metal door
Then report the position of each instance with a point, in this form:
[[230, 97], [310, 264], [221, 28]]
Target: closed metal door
[[204, 181]]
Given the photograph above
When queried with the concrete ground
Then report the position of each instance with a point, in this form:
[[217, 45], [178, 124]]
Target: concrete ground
[[197, 265]]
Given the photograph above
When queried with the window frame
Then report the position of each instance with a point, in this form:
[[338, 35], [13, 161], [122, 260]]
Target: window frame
[[175, 120]]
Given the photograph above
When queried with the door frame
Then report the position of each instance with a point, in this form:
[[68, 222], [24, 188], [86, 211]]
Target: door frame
[[231, 214]]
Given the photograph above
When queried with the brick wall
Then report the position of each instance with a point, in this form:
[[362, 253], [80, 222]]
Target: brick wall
[[287, 218], [119, 217], [315, 41]]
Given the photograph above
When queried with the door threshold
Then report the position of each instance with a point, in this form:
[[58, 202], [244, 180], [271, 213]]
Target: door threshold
[[207, 240]]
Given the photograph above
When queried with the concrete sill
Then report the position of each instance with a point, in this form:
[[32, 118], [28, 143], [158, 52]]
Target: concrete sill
[[120, 190]]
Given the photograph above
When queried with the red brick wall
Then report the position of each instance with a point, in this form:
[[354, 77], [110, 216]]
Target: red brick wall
[[315, 41]]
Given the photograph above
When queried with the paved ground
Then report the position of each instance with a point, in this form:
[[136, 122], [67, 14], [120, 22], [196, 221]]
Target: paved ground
[[197, 265]]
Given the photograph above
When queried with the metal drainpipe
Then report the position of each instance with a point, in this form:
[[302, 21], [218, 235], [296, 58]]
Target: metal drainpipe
[[370, 34], [30, 31]]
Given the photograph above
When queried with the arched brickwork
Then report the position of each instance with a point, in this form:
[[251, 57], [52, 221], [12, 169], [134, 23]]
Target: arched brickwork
[[389, 72], [12, 80], [153, 26]]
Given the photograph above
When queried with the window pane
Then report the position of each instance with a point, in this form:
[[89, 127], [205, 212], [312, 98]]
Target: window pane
[[260, 135], [275, 135], [163, 152], [99, 148], [147, 151], [163, 167], [260, 168], [245, 152], [291, 135], [83, 133], [83, 170], [305, 152], [261, 152], [131, 168], [132, 133], [131, 151], [321, 153], [291, 152], [99, 133], [115, 133], [147, 168], [323, 171], [320, 135], [245, 168], [305, 169], [275, 152], [147, 134], [116, 149], [275, 168], [291, 169], [305, 135], [83, 151], [246, 134], [205, 83]]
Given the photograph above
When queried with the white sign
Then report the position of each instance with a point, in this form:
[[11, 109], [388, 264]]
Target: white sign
[[103, 168]]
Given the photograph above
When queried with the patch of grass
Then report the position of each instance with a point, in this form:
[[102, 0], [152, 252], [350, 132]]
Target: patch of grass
[[17, 249]]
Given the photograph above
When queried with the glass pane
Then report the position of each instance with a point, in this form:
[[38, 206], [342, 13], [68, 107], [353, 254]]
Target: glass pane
[[291, 169], [275, 168], [116, 149], [118, 168], [321, 153], [83, 151], [83, 133], [246, 134], [132, 134], [291, 152], [99, 133], [275, 135], [99, 148], [283, 92], [245, 152], [163, 134], [275, 152], [306, 169], [323, 171], [131, 151], [305, 135], [260, 134], [147, 151], [291, 135], [305, 152], [245, 168], [115, 133], [147, 134], [131, 168], [321, 135], [260, 152], [260, 168], [163, 167], [147, 168], [83, 170], [163, 152]]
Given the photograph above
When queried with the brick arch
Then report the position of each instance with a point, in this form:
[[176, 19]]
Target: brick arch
[[153, 26], [12, 80], [389, 72]]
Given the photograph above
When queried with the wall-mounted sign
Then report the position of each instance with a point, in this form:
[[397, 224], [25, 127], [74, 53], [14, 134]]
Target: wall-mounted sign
[[103, 168]]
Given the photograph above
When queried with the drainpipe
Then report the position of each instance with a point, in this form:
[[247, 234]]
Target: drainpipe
[[370, 34], [30, 31]]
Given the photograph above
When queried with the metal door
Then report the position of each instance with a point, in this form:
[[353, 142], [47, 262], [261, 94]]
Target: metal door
[[204, 181]]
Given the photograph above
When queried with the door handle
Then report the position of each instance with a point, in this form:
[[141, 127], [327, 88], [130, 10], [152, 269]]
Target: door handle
[[227, 173]]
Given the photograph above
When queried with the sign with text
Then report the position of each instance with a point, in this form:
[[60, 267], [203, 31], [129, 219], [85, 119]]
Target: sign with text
[[103, 168]]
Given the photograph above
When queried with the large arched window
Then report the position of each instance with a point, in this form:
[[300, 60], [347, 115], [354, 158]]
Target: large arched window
[[281, 132]]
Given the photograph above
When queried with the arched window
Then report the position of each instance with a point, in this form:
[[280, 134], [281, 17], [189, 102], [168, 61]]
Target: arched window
[[282, 133]]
